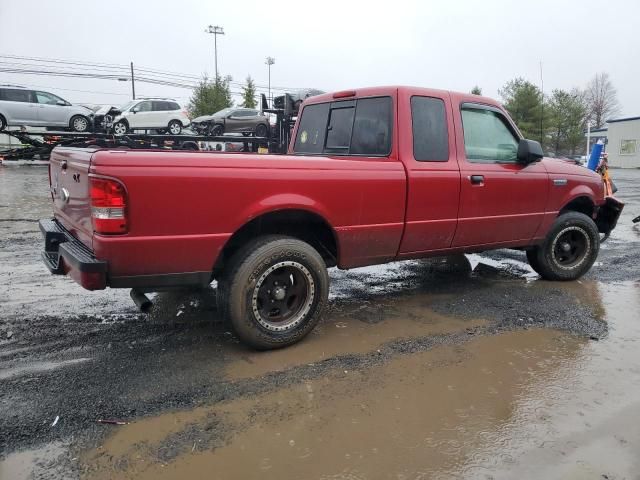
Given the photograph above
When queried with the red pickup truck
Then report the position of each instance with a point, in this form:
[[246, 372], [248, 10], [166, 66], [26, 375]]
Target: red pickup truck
[[372, 175]]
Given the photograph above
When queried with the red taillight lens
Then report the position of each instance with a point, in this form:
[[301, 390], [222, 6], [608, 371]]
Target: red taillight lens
[[108, 206]]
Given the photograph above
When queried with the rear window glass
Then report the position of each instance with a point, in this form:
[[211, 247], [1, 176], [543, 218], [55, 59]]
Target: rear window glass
[[430, 139], [339, 129], [312, 129], [11, 95], [350, 127]]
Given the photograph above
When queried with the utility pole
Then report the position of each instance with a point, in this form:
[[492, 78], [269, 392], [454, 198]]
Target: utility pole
[[542, 107], [133, 83], [215, 30], [270, 61]]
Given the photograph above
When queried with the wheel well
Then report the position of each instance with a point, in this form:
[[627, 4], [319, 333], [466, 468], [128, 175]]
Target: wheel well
[[300, 224], [580, 204]]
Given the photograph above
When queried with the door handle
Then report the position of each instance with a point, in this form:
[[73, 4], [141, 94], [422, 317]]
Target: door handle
[[477, 179]]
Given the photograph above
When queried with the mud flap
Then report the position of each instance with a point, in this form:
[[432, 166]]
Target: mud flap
[[608, 215]]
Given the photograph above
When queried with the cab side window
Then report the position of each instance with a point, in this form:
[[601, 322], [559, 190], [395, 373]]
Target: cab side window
[[47, 98], [430, 137], [488, 137]]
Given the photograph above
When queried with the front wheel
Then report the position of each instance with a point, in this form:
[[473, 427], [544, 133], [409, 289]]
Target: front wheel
[[569, 250], [79, 123], [261, 130], [274, 291], [120, 128], [175, 127]]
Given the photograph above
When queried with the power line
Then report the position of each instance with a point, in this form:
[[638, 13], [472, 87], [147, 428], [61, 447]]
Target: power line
[[113, 69]]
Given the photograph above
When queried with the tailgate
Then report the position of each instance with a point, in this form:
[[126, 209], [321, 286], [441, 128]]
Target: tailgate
[[69, 178]]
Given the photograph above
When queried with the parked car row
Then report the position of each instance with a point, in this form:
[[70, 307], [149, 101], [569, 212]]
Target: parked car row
[[21, 106]]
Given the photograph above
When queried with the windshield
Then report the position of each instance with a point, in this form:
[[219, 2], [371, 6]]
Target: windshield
[[127, 105], [223, 112]]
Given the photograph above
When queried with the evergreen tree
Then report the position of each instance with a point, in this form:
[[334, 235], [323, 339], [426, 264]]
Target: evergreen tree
[[525, 103], [476, 90], [209, 97], [249, 94]]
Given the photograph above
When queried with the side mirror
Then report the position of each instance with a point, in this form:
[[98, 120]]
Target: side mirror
[[62, 103], [529, 151]]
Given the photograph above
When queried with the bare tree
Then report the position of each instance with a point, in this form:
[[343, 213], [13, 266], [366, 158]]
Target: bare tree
[[602, 99]]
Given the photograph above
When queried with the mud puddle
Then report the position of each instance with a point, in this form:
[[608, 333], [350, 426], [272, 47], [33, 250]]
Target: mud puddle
[[417, 415], [507, 405]]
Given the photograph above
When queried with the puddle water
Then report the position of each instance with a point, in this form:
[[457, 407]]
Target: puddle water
[[415, 416], [510, 405], [353, 329], [21, 465]]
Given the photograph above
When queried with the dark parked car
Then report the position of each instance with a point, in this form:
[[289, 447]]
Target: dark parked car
[[232, 120]]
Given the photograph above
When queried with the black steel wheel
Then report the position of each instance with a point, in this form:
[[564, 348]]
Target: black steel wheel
[[569, 250], [273, 291]]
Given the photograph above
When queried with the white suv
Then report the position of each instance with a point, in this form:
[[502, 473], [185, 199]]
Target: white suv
[[151, 114]]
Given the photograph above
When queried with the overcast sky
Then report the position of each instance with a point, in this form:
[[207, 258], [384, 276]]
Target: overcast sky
[[331, 45]]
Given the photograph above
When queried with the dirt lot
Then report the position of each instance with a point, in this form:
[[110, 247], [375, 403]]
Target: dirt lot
[[469, 367]]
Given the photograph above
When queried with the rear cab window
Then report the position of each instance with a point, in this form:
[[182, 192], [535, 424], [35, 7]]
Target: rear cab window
[[360, 127]]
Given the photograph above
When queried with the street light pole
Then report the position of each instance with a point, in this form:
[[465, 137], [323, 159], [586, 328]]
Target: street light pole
[[215, 30], [270, 61]]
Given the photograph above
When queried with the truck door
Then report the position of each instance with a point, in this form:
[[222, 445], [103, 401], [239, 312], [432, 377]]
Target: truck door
[[501, 199], [429, 155]]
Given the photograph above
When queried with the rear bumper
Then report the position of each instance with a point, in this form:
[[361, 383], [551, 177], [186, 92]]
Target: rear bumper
[[65, 255]]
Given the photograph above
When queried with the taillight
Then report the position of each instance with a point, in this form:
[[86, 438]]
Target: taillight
[[108, 206]]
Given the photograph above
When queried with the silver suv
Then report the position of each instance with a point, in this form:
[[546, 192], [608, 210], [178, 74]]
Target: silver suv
[[25, 107]]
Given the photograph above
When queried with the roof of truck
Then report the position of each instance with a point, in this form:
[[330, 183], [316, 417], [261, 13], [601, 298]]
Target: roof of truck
[[391, 89]]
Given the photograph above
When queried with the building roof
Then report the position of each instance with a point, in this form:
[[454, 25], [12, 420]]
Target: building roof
[[628, 119]]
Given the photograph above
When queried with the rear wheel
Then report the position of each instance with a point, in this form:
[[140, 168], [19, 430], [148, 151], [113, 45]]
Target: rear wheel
[[274, 291], [175, 127], [570, 249], [79, 123]]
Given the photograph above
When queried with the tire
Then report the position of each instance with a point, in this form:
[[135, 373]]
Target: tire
[[261, 130], [569, 250], [175, 127], [217, 130], [3, 123], [78, 123], [274, 291], [120, 128]]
